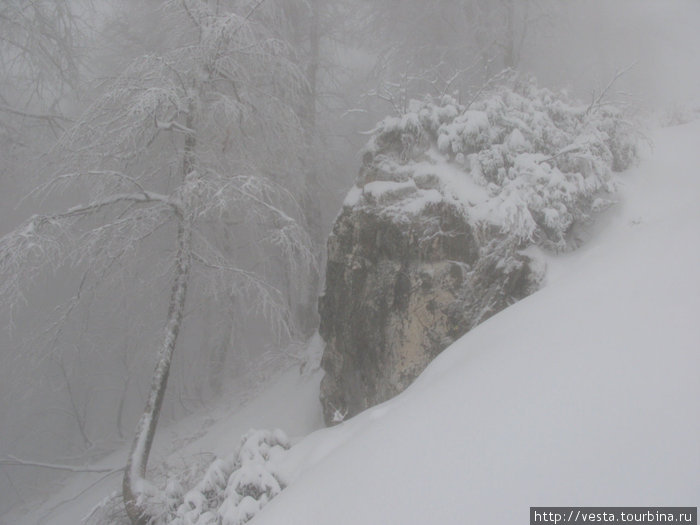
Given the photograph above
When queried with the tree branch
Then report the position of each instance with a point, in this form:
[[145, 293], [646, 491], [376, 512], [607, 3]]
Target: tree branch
[[41, 116], [67, 177], [14, 461], [167, 126], [146, 196], [76, 496], [571, 148], [596, 102]]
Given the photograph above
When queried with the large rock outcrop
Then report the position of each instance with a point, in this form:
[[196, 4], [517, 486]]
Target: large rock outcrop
[[439, 231], [400, 287]]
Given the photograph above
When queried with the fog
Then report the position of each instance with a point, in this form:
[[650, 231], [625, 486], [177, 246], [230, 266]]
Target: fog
[[658, 39], [100, 101]]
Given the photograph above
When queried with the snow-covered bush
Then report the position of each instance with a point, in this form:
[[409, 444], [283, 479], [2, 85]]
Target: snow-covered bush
[[678, 114], [545, 161], [230, 491]]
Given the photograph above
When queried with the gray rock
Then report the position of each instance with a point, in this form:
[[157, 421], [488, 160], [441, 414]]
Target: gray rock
[[407, 274], [435, 237]]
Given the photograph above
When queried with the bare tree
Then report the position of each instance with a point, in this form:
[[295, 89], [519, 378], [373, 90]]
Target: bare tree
[[177, 147], [39, 62], [447, 46]]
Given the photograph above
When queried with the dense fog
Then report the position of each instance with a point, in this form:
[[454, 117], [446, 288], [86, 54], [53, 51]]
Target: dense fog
[[152, 148]]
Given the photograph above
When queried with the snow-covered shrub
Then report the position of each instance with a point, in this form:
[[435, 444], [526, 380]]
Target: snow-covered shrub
[[678, 114], [234, 489], [545, 161], [229, 492]]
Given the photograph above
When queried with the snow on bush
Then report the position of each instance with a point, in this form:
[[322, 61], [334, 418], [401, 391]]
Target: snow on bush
[[545, 161], [229, 492]]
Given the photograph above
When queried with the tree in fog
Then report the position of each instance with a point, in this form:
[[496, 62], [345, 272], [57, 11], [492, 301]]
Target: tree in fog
[[310, 28], [179, 147], [38, 63], [446, 46], [39, 69]]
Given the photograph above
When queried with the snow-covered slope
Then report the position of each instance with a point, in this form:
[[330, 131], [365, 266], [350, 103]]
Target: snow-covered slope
[[585, 393], [288, 401]]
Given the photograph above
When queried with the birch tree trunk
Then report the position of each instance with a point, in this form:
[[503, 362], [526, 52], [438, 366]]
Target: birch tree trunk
[[135, 471]]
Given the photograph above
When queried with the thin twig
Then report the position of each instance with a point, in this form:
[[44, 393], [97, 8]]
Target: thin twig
[[73, 498], [15, 461], [596, 102], [41, 116]]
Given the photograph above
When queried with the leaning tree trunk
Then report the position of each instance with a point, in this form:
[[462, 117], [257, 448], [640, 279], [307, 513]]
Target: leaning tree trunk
[[135, 471]]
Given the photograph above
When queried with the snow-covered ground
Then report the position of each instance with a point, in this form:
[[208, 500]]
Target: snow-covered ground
[[585, 393], [289, 401]]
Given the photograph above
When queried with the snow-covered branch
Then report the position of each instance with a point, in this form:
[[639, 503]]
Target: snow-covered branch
[[173, 125], [71, 177], [144, 197], [264, 297], [571, 148], [69, 237], [597, 101]]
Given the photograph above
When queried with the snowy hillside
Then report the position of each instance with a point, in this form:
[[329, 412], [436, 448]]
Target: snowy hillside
[[288, 401], [328, 262], [585, 393]]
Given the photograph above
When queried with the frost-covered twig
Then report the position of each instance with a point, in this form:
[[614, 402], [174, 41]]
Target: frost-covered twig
[[596, 102], [146, 196]]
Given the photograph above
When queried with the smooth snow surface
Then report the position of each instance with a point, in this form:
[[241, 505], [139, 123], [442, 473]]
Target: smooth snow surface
[[586, 393]]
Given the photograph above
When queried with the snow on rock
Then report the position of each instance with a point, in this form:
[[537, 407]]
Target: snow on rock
[[514, 138], [433, 237], [585, 393]]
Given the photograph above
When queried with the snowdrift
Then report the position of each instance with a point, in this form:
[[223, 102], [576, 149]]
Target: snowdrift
[[585, 393]]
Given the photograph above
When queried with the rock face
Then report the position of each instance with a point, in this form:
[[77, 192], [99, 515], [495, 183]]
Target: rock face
[[436, 236], [401, 286]]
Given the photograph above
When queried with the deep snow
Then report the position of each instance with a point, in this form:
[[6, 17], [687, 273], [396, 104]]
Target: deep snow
[[585, 393]]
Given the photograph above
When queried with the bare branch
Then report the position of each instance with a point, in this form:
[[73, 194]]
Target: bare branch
[[49, 117], [76, 496], [55, 182], [596, 102], [572, 148], [14, 461]]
